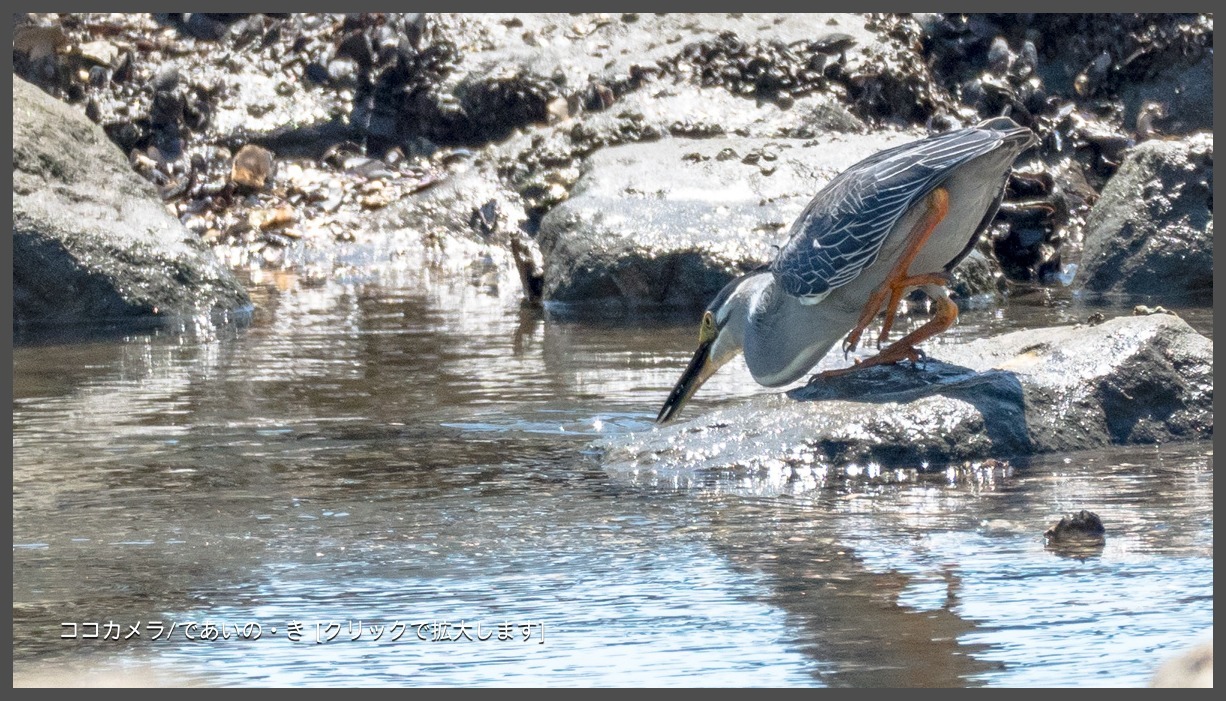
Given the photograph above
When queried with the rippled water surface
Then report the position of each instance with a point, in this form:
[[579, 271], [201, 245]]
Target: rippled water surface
[[396, 472]]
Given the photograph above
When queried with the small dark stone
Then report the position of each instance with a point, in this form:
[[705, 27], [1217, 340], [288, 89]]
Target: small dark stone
[[1000, 58], [484, 219], [123, 71], [203, 25], [126, 135], [99, 77], [316, 72], [1083, 529], [196, 115], [165, 79], [166, 110], [357, 46], [835, 43], [272, 36], [252, 167]]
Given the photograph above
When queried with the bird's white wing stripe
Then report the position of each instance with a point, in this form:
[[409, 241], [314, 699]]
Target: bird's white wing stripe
[[846, 224]]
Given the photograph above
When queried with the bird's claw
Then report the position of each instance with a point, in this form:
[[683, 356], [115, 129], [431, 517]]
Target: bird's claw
[[851, 342], [914, 355]]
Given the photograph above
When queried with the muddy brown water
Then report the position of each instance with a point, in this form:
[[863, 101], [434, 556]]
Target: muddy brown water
[[390, 479]]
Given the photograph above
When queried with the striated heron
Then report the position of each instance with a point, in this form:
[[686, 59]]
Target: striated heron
[[900, 219]]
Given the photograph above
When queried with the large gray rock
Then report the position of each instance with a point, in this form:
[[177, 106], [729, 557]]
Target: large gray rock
[[92, 241], [1128, 380], [1151, 232]]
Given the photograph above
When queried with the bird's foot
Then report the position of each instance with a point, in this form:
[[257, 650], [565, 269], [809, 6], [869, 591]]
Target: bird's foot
[[852, 341], [837, 372], [918, 358], [892, 355], [895, 353]]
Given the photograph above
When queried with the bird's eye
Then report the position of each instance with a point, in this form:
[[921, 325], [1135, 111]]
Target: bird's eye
[[706, 332]]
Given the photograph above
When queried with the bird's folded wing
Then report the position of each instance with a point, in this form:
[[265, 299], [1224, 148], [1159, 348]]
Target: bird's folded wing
[[842, 229]]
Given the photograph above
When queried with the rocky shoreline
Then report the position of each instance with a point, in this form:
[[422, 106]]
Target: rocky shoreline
[[1130, 380], [500, 127], [621, 161]]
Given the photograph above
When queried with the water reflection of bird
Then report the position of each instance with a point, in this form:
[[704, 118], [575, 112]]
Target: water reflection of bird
[[899, 219]]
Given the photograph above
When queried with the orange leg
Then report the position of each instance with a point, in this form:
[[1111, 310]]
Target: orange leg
[[905, 347], [897, 281]]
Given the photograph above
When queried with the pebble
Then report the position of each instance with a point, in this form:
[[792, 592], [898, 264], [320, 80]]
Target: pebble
[[252, 167]]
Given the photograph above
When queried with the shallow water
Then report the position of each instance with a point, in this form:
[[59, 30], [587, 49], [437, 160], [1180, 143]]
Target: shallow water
[[369, 453]]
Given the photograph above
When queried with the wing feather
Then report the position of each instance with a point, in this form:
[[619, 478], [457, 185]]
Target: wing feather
[[842, 229]]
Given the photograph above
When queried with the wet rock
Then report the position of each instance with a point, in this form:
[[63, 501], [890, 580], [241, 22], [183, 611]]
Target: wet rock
[[1096, 59], [91, 240], [102, 53], [471, 202], [1145, 310], [1076, 534], [538, 93], [275, 218], [252, 167], [536, 164], [1175, 71], [1127, 380], [1151, 232], [472, 80], [663, 224], [978, 280], [1088, 84]]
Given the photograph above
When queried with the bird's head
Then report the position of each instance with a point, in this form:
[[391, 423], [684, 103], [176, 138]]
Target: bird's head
[[721, 336]]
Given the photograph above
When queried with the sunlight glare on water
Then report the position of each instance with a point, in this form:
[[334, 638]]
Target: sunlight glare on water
[[369, 453]]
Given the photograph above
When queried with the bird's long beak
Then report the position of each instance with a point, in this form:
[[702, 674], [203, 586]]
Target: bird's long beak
[[700, 368]]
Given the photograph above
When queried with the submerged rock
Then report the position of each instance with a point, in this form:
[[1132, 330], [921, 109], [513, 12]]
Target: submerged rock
[[1151, 232], [1127, 380], [92, 241], [1076, 535]]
